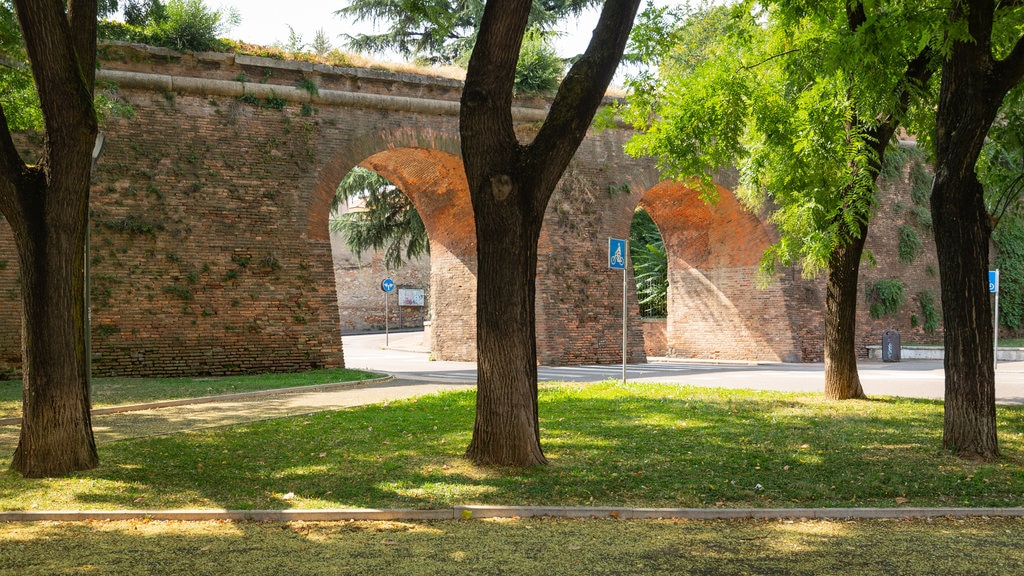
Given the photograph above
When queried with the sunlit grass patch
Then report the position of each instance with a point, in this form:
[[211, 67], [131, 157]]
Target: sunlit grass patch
[[637, 445]]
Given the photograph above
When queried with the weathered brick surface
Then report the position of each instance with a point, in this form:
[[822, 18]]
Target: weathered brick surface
[[210, 251]]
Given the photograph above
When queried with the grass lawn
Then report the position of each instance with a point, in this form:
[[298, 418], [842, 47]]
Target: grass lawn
[[635, 445], [517, 547], [117, 391]]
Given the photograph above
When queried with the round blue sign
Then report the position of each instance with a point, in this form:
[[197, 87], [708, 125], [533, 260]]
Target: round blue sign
[[387, 285]]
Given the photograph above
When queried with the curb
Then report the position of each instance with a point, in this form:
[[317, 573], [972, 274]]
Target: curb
[[224, 398], [479, 512]]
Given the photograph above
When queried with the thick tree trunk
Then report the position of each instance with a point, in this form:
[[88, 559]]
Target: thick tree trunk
[[962, 234], [56, 431], [510, 184], [970, 95], [507, 428], [47, 207], [842, 382]]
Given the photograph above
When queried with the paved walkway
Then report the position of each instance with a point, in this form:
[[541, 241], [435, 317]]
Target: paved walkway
[[239, 408]]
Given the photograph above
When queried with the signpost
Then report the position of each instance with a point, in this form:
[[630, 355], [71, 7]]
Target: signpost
[[617, 261], [387, 286], [993, 286]]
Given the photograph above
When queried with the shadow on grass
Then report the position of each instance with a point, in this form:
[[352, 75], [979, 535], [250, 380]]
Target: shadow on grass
[[639, 445], [550, 547]]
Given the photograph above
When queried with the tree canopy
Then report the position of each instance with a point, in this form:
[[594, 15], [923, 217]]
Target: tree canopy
[[438, 31], [804, 100]]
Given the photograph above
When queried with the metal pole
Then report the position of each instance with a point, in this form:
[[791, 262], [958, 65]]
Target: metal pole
[[995, 329], [387, 341], [624, 319]]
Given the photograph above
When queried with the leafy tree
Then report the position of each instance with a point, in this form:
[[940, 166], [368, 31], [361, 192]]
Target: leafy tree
[[46, 205], [983, 61], [804, 99], [190, 25], [438, 31], [141, 12], [389, 222], [178, 24], [650, 265], [510, 184]]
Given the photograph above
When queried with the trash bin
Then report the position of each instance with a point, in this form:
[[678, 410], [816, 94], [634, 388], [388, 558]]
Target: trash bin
[[890, 346]]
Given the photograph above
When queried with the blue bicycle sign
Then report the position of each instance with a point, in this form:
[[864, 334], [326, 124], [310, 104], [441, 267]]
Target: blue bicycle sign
[[616, 254]]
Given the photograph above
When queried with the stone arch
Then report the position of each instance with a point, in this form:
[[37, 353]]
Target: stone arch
[[715, 308], [431, 175]]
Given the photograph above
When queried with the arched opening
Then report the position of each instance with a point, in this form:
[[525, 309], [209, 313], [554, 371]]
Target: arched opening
[[435, 183], [715, 309]]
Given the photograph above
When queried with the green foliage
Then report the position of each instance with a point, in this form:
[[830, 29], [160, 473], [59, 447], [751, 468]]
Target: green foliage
[[136, 225], [539, 69], [183, 292], [190, 25], [920, 184], [17, 90], [437, 31], [389, 221], [309, 85], [910, 245], [1009, 259], [270, 102], [886, 297], [179, 24], [926, 298], [788, 94], [650, 265]]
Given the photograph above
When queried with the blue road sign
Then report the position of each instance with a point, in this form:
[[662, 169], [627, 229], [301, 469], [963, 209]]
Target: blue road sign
[[993, 281], [387, 285], [616, 254]]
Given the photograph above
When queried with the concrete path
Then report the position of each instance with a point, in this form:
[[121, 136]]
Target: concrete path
[[408, 358]]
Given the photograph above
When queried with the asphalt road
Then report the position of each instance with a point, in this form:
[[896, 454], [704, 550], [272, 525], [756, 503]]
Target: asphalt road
[[405, 356]]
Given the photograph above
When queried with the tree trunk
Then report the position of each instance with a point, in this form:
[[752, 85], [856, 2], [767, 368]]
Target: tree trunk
[[962, 233], [47, 206], [56, 430], [509, 185], [970, 95], [842, 381], [507, 428]]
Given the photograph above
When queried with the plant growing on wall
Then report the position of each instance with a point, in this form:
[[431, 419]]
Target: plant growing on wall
[[886, 297]]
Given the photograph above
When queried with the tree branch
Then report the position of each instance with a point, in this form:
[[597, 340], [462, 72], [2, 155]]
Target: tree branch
[[769, 59], [64, 96], [10, 160], [582, 91], [82, 18], [1010, 70]]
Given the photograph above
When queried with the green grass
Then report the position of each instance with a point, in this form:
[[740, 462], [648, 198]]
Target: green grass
[[550, 547], [119, 391], [635, 445]]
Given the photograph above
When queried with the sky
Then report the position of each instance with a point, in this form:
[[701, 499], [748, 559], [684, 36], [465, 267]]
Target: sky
[[265, 22]]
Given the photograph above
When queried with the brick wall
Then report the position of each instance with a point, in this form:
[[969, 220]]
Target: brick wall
[[210, 251]]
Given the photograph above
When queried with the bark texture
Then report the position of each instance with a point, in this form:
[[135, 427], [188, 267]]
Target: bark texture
[[842, 381], [973, 86], [47, 208], [510, 184]]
